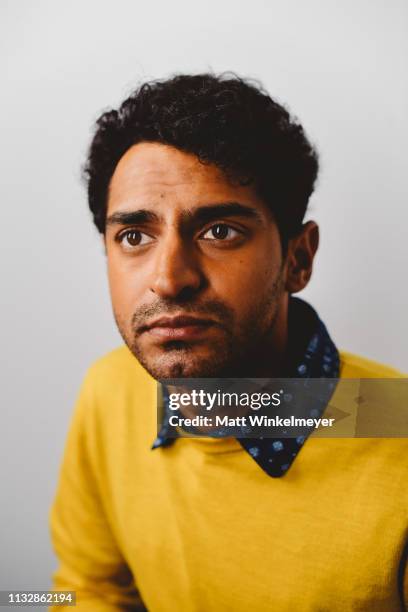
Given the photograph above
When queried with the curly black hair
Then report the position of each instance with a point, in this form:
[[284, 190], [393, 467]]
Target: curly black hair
[[223, 120]]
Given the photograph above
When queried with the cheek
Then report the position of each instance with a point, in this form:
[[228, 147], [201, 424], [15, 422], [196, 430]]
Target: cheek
[[124, 284], [114, 278], [246, 278]]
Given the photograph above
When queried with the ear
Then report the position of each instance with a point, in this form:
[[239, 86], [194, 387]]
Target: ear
[[299, 262]]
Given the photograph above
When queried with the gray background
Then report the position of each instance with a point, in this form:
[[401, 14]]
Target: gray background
[[340, 66]]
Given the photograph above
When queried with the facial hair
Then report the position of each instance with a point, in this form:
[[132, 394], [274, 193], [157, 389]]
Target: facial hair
[[235, 355]]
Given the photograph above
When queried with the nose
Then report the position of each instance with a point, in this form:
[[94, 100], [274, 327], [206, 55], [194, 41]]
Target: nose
[[176, 270]]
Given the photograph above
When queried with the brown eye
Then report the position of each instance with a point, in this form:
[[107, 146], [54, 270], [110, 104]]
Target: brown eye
[[220, 231], [133, 238]]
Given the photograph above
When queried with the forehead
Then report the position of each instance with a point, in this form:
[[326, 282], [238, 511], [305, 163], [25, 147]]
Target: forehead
[[153, 174]]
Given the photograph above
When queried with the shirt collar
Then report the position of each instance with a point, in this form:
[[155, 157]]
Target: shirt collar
[[312, 354]]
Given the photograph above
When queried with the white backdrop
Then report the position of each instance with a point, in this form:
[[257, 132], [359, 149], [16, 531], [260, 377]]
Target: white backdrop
[[342, 69]]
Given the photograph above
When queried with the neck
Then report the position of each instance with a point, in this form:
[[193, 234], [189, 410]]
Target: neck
[[269, 359]]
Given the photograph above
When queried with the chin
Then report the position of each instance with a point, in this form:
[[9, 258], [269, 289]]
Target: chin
[[182, 362]]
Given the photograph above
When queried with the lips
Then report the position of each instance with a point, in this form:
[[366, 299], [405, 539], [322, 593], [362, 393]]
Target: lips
[[181, 327], [179, 321]]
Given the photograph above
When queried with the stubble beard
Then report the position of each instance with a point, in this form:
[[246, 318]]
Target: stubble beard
[[234, 355]]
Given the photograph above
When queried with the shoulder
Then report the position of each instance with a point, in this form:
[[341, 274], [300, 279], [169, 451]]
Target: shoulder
[[355, 366], [118, 363], [117, 373], [115, 387]]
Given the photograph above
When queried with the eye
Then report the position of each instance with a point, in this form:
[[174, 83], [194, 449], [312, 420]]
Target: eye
[[221, 231], [133, 238]]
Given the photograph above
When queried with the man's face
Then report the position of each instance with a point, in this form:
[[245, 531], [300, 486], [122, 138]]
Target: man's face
[[195, 265]]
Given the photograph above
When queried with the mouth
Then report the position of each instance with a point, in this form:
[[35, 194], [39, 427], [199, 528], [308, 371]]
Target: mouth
[[181, 327]]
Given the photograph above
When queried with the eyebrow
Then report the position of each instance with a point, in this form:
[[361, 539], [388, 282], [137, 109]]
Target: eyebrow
[[201, 214], [210, 212], [132, 218]]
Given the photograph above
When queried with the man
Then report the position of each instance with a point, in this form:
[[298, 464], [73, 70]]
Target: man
[[199, 186]]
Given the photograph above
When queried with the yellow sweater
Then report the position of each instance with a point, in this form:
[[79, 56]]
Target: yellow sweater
[[199, 526]]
